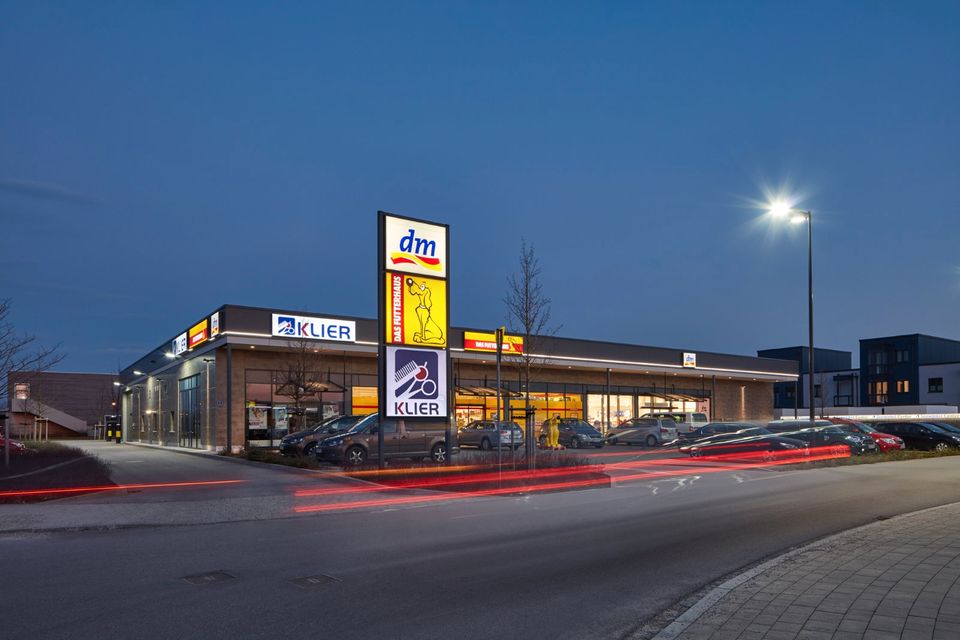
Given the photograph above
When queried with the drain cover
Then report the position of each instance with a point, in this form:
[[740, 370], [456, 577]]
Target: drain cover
[[312, 582], [207, 578]]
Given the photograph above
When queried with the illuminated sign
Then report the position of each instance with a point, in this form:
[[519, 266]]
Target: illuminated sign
[[689, 359], [415, 247], [487, 342], [215, 325], [289, 326], [180, 344], [416, 383], [416, 310], [198, 334]]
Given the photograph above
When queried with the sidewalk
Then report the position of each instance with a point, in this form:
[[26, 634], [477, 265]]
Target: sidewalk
[[897, 578]]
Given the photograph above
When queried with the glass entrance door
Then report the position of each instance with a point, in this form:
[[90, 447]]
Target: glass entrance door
[[190, 412]]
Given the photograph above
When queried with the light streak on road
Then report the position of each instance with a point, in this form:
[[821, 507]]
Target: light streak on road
[[817, 454]]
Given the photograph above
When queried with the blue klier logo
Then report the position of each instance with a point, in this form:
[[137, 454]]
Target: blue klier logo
[[416, 375], [286, 326]]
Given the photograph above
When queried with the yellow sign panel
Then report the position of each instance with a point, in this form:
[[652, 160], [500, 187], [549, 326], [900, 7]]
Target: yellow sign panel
[[487, 342], [416, 310]]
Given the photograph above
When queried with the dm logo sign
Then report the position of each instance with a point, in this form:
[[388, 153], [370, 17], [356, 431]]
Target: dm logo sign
[[415, 247], [416, 383]]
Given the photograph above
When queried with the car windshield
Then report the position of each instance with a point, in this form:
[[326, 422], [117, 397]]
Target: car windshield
[[340, 424], [933, 427], [363, 423], [508, 425], [861, 426], [946, 427], [584, 428], [699, 417]]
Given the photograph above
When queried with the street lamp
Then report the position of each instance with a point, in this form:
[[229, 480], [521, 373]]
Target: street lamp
[[783, 210]]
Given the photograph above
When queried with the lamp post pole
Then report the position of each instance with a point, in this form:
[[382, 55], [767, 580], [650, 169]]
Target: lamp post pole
[[809, 218]]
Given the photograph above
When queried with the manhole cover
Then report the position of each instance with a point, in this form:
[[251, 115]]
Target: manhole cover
[[312, 582], [207, 578]]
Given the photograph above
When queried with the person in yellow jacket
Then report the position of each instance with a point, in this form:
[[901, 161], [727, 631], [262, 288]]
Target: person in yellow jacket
[[553, 433]]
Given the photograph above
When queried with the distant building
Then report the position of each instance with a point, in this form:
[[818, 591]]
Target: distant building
[[912, 370], [68, 404], [835, 381]]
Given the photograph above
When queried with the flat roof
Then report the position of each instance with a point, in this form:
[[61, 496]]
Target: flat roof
[[240, 324]]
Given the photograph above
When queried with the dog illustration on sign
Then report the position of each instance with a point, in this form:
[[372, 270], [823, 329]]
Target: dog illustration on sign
[[430, 332]]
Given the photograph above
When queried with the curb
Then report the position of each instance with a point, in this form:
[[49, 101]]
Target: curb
[[691, 615], [251, 463]]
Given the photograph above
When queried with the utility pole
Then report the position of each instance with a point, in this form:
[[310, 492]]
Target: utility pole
[[499, 423]]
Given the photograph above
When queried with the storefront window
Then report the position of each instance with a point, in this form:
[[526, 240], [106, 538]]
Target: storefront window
[[621, 409]]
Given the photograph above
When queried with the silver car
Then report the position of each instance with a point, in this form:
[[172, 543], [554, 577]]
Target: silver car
[[651, 432], [485, 434]]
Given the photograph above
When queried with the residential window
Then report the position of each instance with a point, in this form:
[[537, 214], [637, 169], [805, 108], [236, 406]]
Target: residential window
[[878, 392], [816, 391], [788, 392], [903, 386], [21, 390], [935, 385], [903, 355]]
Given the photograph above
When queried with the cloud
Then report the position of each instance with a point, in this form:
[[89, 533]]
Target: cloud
[[42, 190]]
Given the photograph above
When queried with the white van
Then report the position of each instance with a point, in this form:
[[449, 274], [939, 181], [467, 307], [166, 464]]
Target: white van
[[686, 422]]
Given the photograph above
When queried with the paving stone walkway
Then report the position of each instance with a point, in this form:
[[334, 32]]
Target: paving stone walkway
[[893, 579]]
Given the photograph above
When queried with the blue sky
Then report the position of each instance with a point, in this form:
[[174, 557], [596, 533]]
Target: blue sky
[[160, 160]]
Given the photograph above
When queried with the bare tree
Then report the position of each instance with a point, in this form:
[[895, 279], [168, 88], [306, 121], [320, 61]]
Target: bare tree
[[528, 314], [301, 377], [19, 352]]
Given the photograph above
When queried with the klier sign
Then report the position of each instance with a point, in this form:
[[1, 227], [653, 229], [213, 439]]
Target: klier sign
[[414, 299]]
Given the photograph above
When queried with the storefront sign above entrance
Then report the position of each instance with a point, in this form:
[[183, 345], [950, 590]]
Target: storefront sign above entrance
[[180, 344], [487, 342], [198, 334], [415, 247], [288, 326], [416, 311], [690, 360]]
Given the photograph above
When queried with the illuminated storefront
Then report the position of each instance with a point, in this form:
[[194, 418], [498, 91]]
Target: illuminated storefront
[[289, 370]]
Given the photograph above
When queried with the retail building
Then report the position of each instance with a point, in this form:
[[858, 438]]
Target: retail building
[[244, 377]]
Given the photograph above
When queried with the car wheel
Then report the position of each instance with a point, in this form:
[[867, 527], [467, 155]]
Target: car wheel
[[438, 453], [695, 453], [310, 449], [768, 456], [485, 444], [613, 441], [356, 456], [651, 441], [940, 447], [574, 443]]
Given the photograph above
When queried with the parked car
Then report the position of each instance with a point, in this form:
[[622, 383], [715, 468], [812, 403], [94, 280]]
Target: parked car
[[304, 442], [359, 443], [685, 421], [485, 434], [946, 426], [744, 432], [17, 448], [752, 440], [574, 434], [651, 432], [884, 441], [710, 429], [921, 435], [825, 434]]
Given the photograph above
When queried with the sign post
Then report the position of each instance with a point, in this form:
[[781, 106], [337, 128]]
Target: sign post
[[413, 302], [499, 426]]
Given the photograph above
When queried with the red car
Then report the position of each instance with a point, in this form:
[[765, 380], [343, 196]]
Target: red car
[[885, 441], [16, 448]]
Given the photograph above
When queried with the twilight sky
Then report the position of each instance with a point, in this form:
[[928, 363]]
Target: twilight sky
[[157, 161]]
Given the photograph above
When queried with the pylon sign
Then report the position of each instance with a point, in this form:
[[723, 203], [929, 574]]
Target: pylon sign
[[413, 303]]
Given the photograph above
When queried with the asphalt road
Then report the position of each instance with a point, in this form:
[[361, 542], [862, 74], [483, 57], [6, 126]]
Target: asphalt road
[[579, 564]]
